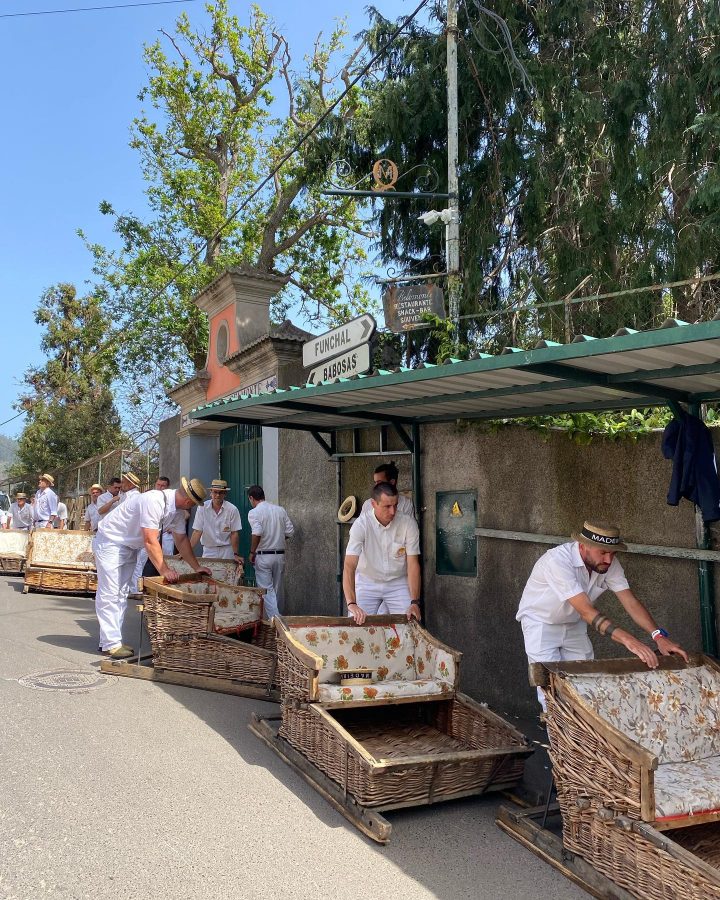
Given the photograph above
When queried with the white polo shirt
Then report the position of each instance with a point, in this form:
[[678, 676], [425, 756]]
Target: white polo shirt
[[21, 517], [46, 504], [154, 509], [92, 515], [405, 506], [217, 527], [272, 523], [383, 549], [62, 513], [106, 498], [560, 574]]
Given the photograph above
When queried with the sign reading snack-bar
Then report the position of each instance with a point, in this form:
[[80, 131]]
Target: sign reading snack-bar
[[405, 306], [339, 340], [355, 362]]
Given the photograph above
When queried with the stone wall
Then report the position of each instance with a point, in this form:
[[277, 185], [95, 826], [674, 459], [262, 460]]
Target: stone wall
[[169, 443], [524, 482]]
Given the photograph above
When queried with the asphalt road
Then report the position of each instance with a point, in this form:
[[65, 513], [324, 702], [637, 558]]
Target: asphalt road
[[138, 790]]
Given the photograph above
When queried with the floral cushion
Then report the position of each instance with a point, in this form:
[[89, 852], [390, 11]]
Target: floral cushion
[[13, 543], [331, 693], [61, 548], [236, 608], [687, 788], [673, 714], [226, 570], [398, 653]]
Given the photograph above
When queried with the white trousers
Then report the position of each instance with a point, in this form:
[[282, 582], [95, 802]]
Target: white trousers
[[223, 552], [393, 596], [552, 643], [269, 569], [115, 569], [168, 543]]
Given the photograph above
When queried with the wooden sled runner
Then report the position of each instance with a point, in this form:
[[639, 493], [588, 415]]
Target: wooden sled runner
[[205, 634], [398, 741], [636, 757]]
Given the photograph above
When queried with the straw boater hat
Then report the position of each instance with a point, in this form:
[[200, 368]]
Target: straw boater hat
[[195, 489], [21, 496], [50, 480], [132, 478], [596, 534], [96, 487], [217, 484]]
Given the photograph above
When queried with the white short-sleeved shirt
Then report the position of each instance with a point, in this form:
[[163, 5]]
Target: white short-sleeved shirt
[[272, 523], [92, 515], [106, 498], [21, 518], [405, 506], [62, 512], [217, 527], [383, 549], [560, 574], [46, 504], [154, 509]]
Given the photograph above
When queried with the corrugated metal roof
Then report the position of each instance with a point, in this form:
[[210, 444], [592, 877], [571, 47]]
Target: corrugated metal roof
[[676, 363]]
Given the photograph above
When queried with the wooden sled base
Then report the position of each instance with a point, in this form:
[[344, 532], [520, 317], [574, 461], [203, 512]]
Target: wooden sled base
[[524, 825], [132, 668], [369, 821]]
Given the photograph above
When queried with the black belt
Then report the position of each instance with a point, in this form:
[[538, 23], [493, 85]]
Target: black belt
[[259, 552]]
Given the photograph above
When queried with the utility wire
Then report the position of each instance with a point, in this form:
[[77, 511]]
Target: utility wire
[[271, 175], [12, 418], [56, 12]]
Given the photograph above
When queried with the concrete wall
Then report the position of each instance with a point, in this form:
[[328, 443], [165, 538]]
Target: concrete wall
[[524, 482], [170, 449]]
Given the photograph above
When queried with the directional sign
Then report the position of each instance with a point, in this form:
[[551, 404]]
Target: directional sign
[[338, 341], [355, 362]]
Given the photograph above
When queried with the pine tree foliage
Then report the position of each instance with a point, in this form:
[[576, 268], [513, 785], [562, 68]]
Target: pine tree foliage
[[601, 176], [70, 413]]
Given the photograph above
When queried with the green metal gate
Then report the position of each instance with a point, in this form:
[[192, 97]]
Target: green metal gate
[[241, 467]]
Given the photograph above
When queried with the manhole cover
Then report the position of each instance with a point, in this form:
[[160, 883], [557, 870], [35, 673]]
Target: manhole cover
[[63, 680]]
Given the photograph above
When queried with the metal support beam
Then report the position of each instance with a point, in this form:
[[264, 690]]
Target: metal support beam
[[319, 409], [616, 382], [404, 436], [328, 448], [417, 487], [708, 624]]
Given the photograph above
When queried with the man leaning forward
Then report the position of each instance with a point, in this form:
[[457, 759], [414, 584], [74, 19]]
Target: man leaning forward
[[129, 527]]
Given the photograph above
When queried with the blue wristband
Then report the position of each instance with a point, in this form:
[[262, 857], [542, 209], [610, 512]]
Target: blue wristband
[[659, 632]]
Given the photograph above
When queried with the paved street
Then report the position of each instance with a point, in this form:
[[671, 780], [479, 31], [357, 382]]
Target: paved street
[[138, 790]]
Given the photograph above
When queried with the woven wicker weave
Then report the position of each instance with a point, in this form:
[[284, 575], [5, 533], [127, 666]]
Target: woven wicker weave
[[12, 563], [217, 657], [60, 581]]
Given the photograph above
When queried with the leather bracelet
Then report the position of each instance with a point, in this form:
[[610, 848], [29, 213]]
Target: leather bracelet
[[610, 629], [352, 604], [595, 621]]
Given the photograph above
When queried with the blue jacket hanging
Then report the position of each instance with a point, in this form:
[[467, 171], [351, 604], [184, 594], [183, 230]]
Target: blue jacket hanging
[[688, 443]]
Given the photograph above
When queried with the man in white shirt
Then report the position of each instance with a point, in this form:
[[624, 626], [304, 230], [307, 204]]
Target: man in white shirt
[[557, 604], [217, 525], [110, 499], [388, 472], [132, 525], [21, 513], [46, 502], [270, 526], [382, 560], [62, 516], [92, 513]]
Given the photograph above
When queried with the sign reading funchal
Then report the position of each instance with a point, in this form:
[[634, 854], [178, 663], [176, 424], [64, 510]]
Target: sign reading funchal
[[343, 352]]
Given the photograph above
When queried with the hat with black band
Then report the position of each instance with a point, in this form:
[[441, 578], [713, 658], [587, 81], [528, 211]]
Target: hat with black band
[[195, 489], [597, 534]]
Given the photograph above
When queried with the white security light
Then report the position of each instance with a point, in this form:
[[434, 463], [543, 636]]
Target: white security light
[[446, 216]]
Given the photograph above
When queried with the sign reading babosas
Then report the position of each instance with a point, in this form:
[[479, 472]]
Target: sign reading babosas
[[405, 306]]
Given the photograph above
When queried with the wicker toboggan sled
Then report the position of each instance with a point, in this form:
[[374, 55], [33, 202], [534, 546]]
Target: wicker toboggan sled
[[60, 562], [13, 551]]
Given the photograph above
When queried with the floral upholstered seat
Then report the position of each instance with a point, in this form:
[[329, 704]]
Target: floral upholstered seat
[[675, 714], [49, 547], [406, 662]]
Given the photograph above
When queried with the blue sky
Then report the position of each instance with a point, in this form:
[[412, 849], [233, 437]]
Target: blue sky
[[70, 93]]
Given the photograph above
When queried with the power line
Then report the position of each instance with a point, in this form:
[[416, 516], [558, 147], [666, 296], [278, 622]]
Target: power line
[[271, 175], [56, 12], [12, 418]]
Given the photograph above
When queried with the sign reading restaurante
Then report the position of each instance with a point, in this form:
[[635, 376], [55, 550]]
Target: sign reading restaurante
[[405, 306]]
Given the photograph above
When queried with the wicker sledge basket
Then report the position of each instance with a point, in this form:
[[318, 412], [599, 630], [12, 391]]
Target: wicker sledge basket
[[60, 562], [190, 623], [406, 738], [13, 550], [636, 759]]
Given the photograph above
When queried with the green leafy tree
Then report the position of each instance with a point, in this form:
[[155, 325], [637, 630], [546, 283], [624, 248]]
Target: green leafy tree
[[212, 132], [70, 413], [598, 174]]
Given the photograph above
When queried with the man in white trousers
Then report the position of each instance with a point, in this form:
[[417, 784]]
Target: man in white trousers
[[382, 560], [217, 525], [132, 525], [46, 502], [558, 602], [270, 526]]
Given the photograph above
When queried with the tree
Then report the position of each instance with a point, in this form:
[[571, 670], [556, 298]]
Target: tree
[[599, 174], [211, 135], [70, 413]]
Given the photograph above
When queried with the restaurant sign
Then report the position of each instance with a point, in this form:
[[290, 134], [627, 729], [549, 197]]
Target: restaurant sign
[[405, 306]]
